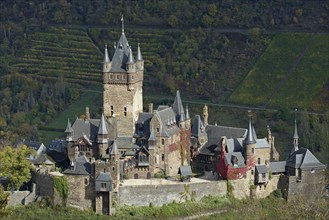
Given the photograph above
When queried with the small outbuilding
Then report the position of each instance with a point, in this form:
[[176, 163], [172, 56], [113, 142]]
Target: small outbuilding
[[185, 173]]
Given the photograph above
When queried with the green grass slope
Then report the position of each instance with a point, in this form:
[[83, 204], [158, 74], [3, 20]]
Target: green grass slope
[[270, 69], [61, 52]]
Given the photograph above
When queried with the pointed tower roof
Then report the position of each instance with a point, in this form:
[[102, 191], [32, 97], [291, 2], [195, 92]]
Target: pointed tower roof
[[250, 134], [139, 54], [187, 114], [102, 126], [114, 149], [130, 57], [152, 135], [295, 131], [182, 115], [68, 127], [254, 133], [106, 55], [178, 106], [120, 56]]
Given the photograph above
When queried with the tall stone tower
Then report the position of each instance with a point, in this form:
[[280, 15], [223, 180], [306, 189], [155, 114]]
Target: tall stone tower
[[122, 82]]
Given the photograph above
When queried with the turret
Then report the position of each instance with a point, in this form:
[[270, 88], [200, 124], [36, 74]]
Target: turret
[[102, 136], [249, 142], [130, 62], [139, 59], [106, 62], [295, 142], [205, 115], [187, 119], [69, 131]]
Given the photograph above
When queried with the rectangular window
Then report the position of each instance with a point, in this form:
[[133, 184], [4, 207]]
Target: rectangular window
[[252, 150], [162, 157], [117, 76], [111, 76], [86, 181], [103, 185], [258, 160], [162, 141], [158, 129]]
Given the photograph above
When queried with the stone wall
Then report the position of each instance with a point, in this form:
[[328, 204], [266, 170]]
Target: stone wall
[[21, 197], [309, 188], [81, 193], [263, 191], [157, 195], [241, 188], [44, 184]]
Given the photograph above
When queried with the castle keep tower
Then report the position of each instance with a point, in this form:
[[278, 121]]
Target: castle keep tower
[[122, 82]]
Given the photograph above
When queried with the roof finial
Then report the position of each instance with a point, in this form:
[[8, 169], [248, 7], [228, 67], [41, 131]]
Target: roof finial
[[122, 24], [250, 138]]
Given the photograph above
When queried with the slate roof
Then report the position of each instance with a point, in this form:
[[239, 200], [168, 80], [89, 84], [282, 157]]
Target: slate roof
[[166, 117], [197, 126], [216, 132], [68, 127], [278, 167], [185, 171], [120, 56], [143, 124], [43, 159], [178, 107], [81, 166], [58, 145], [102, 126], [139, 54], [304, 159], [261, 169], [104, 177], [250, 137], [230, 157], [295, 131], [114, 148], [106, 55]]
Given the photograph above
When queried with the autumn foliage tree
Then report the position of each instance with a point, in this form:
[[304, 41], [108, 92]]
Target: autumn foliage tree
[[15, 166]]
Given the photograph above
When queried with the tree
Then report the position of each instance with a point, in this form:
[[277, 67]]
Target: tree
[[3, 199], [15, 166]]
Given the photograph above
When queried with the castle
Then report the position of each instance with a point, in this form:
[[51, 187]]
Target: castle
[[127, 143]]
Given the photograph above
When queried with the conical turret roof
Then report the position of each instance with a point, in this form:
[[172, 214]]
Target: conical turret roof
[[106, 55], [102, 129], [130, 57], [139, 54], [114, 149], [68, 127], [187, 114], [295, 131], [250, 139]]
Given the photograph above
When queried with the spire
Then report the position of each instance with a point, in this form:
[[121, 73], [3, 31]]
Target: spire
[[182, 115], [187, 114], [122, 24], [296, 136], [254, 133], [68, 127], [114, 149], [250, 137], [139, 54], [178, 106], [130, 57], [106, 55], [102, 126]]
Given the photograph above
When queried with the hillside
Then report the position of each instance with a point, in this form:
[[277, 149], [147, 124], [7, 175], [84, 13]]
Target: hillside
[[290, 74], [56, 52]]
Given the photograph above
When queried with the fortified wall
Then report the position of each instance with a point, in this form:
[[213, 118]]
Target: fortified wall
[[160, 192]]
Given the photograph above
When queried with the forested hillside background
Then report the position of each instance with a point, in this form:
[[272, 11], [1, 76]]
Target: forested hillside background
[[51, 53]]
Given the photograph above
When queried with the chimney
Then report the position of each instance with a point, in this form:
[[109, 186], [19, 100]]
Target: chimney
[[150, 107], [87, 114]]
